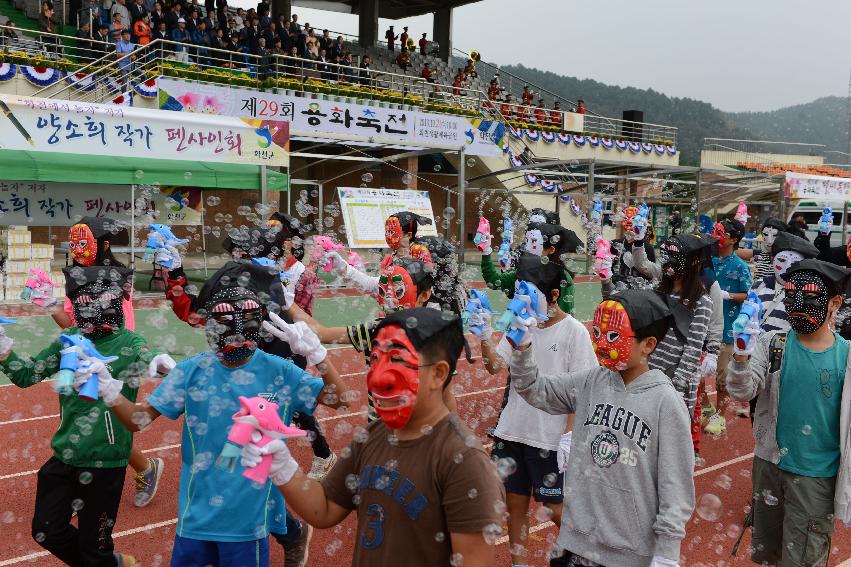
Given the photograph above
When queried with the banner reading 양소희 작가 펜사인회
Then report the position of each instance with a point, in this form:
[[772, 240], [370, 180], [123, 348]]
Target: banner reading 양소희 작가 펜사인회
[[806, 186], [47, 125], [365, 210], [314, 116]]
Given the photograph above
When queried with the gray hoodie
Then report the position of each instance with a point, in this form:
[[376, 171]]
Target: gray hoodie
[[629, 486]]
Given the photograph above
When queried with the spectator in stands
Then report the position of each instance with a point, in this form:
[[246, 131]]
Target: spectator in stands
[[507, 107], [580, 108], [337, 49], [239, 19], [423, 44], [525, 156], [122, 47], [157, 15], [201, 38], [278, 49], [312, 44], [181, 35], [426, 73], [541, 112], [403, 39], [349, 68], [48, 23], [142, 30], [391, 38], [120, 7], [295, 25], [323, 67], [365, 71], [101, 44], [493, 89], [172, 17], [211, 21], [265, 18], [403, 60], [162, 33], [192, 21], [84, 43], [458, 82], [137, 11], [270, 33], [527, 97], [251, 34], [265, 58], [325, 41], [217, 42], [9, 33], [117, 26]]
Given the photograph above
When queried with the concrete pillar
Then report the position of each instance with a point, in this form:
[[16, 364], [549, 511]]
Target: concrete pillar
[[442, 32], [368, 23], [284, 7]]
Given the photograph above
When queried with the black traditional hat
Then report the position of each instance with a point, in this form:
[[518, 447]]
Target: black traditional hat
[[421, 324], [546, 276], [417, 269], [644, 307], [541, 216], [409, 221], [563, 239], [734, 228], [788, 241], [78, 277], [255, 242], [835, 276], [776, 223], [257, 281]]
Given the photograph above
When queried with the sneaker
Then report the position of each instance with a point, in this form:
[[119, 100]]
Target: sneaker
[[124, 560], [295, 553], [743, 409], [717, 425], [147, 482], [706, 413], [321, 467]]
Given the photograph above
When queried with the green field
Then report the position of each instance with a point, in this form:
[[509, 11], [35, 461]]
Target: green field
[[165, 332]]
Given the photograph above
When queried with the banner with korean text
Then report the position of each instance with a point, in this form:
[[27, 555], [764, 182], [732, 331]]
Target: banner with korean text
[[47, 125], [323, 116], [365, 210], [39, 203], [805, 186]]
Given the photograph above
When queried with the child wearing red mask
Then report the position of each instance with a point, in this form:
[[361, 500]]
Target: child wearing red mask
[[424, 490], [630, 482]]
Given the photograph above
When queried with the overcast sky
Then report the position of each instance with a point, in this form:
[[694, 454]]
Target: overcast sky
[[735, 54]]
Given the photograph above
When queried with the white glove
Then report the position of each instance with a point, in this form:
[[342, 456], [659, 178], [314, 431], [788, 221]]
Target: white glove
[[709, 364], [283, 466], [604, 268], [754, 330], [299, 336], [6, 343], [563, 454], [663, 562], [725, 294], [161, 361], [485, 244], [338, 264], [108, 387], [481, 318], [168, 254], [639, 227]]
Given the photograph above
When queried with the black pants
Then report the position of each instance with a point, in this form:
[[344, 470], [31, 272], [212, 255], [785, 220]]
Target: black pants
[[317, 441], [95, 494]]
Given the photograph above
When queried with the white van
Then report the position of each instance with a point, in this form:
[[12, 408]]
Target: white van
[[812, 211]]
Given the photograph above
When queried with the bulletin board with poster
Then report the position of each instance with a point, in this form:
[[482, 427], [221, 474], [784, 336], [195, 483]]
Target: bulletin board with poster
[[365, 210]]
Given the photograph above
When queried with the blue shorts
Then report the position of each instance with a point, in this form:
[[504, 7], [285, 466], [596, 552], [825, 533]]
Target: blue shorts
[[198, 553], [537, 471]]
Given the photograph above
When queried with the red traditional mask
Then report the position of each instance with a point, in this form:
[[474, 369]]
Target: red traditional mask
[[421, 253], [393, 377], [612, 334], [396, 289], [393, 232], [628, 213], [719, 232], [83, 245]]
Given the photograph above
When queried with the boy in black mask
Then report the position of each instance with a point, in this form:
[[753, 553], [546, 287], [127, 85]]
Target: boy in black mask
[[800, 470], [91, 450]]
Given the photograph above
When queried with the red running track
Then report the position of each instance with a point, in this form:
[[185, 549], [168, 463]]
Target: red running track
[[28, 419]]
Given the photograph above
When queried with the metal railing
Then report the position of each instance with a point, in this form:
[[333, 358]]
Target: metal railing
[[85, 56]]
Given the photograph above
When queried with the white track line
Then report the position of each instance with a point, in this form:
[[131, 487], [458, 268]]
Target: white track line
[[724, 464], [532, 529], [26, 419]]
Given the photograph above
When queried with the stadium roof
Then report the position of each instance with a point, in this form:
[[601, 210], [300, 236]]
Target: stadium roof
[[390, 9]]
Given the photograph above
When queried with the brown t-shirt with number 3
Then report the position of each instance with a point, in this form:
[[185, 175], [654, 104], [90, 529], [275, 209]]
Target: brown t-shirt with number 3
[[410, 495]]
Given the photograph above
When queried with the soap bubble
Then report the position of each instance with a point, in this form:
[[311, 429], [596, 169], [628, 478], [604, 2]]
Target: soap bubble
[[366, 177], [471, 162], [770, 499], [491, 533], [448, 213], [407, 178], [139, 174], [187, 176], [212, 200], [411, 322], [472, 493], [506, 467], [709, 507], [807, 429], [724, 482], [437, 167]]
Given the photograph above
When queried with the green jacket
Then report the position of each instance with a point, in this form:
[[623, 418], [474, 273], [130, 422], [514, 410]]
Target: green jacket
[[504, 281], [88, 435]]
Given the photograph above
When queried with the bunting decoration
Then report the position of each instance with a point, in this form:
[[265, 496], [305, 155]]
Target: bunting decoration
[[8, 71], [41, 76]]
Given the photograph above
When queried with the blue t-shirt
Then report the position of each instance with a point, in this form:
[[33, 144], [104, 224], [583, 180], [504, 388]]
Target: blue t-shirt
[[808, 411], [214, 504], [733, 275]]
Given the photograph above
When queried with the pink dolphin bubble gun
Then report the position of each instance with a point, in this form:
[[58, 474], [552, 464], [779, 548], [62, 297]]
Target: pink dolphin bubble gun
[[602, 258], [483, 233], [38, 288], [258, 422], [325, 244]]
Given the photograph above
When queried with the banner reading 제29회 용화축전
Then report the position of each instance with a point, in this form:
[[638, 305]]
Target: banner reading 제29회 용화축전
[[408, 127], [365, 210], [47, 125], [806, 186]]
